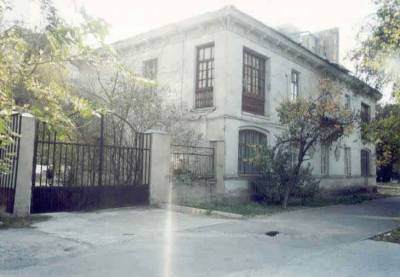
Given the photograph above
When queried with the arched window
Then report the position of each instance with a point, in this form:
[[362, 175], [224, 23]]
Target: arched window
[[247, 139]]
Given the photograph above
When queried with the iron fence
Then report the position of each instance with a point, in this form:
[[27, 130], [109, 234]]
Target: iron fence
[[75, 176], [195, 161], [9, 154]]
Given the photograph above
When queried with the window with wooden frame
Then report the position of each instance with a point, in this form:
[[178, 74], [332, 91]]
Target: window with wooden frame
[[347, 161], [365, 113], [253, 94], [204, 76], [365, 163], [249, 140], [150, 69], [294, 85], [365, 118]]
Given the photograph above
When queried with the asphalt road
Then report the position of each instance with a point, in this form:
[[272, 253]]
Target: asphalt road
[[329, 241]]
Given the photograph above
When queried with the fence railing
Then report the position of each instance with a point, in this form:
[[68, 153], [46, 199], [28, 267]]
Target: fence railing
[[195, 161], [73, 175], [59, 163], [9, 157]]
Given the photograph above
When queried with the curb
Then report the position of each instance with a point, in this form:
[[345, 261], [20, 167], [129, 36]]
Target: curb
[[197, 211]]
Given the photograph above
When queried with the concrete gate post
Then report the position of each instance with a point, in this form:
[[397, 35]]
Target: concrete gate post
[[219, 166], [23, 189], [160, 184]]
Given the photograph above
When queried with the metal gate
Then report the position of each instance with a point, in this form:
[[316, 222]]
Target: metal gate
[[70, 176], [9, 155]]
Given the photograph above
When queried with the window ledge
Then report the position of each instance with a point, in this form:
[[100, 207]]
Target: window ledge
[[265, 117], [203, 110]]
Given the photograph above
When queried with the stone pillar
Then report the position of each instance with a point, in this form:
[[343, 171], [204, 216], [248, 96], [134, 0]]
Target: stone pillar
[[160, 184], [23, 189], [219, 166]]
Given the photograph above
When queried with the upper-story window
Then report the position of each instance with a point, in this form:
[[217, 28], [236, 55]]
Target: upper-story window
[[253, 99], [150, 69], [347, 102], [294, 85], [365, 118], [204, 76], [365, 113]]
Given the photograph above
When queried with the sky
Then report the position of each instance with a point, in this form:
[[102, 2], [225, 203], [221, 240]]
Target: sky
[[131, 17]]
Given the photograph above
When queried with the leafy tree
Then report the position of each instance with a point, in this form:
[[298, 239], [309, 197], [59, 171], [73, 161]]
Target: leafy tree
[[276, 170], [384, 131], [34, 66], [378, 56], [309, 121]]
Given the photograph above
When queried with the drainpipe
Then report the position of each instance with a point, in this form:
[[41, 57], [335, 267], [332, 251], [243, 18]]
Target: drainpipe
[[183, 70]]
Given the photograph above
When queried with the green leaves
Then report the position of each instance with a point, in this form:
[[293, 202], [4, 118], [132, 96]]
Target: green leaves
[[35, 64], [384, 131], [377, 58]]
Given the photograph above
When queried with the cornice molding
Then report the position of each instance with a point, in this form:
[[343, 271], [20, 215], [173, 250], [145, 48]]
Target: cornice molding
[[231, 19]]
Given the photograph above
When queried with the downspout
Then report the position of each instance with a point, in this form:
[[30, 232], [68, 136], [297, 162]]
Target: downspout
[[182, 69]]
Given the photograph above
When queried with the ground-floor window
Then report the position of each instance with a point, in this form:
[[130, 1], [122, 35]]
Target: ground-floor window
[[325, 159], [365, 161], [247, 140], [347, 161]]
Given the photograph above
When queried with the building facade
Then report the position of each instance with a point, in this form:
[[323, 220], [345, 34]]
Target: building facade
[[232, 71]]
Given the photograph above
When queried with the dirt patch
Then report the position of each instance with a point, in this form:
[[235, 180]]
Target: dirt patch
[[8, 221]]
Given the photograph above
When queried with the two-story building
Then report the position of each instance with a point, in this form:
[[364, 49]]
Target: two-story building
[[233, 71]]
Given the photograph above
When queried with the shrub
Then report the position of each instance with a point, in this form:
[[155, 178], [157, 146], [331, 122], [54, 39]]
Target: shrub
[[276, 169]]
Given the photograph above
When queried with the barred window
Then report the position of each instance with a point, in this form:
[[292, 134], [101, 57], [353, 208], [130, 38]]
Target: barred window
[[294, 85], [248, 139], [347, 161], [204, 76], [365, 163], [325, 159], [150, 69], [253, 99]]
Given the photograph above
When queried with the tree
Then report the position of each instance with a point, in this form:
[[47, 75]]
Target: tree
[[378, 56], [310, 121], [133, 103], [34, 66], [384, 131]]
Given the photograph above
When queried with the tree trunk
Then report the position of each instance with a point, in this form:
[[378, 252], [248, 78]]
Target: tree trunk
[[286, 197]]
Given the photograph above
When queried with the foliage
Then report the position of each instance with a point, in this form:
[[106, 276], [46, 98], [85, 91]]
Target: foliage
[[34, 66], [378, 56], [309, 121], [276, 166], [384, 132], [134, 104]]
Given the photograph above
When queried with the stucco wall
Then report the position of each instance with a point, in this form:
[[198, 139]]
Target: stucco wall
[[193, 191], [176, 79]]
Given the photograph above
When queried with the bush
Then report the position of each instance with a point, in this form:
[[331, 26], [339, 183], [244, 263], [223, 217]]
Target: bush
[[276, 170]]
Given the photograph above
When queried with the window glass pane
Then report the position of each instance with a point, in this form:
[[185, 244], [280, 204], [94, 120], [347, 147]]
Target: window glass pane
[[150, 69], [248, 140]]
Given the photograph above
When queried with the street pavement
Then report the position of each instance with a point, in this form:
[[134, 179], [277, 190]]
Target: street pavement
[[328, 241]]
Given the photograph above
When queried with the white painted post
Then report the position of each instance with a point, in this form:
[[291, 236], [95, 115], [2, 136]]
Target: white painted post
[[160, 184], [23, 189], [219, 166]]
